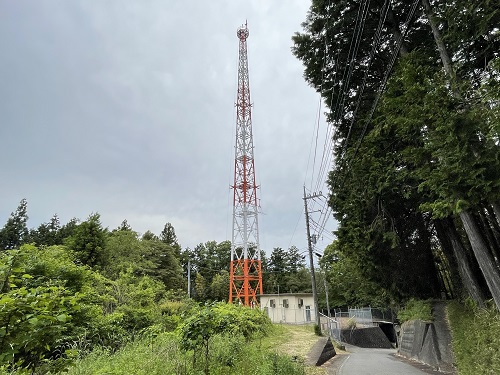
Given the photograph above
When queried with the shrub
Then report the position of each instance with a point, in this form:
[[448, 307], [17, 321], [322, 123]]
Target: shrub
[[317, 330], [218, 320], [416, 309], [476, 338], [34, 319]]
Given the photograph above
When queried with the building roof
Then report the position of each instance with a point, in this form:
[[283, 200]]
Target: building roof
[[287, 294]]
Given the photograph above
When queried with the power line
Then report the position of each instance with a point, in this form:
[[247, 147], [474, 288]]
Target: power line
[[382, 86], [353, 50], [377, 38]]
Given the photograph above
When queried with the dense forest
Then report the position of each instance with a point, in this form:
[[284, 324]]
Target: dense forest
[[67, 289], [412, 93]]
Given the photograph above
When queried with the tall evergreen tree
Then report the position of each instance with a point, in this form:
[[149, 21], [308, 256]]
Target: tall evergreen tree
[[47, 234], [160, 261], [88, 241], [431, 149], [15, 231], [169, 237]]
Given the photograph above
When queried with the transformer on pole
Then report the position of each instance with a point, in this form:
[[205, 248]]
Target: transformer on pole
[[245, 269]]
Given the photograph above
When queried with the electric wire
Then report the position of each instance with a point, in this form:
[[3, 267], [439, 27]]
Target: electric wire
[[348, 71], [376, 42], [344, 83], [338, 108], [315, 137], [231, 166], [320, 227], [383, 84]]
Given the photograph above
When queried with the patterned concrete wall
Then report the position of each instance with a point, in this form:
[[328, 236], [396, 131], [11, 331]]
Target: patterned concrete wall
[[428, 342]]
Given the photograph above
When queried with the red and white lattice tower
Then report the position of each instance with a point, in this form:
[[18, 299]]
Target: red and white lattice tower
[[246, 269]]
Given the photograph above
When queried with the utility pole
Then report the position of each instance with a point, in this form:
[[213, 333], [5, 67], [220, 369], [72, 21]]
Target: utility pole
[[245, 273], [326, 294], [189, 278], [311, 262], [324, 280]]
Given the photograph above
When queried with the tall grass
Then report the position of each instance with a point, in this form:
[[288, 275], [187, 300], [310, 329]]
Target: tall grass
[[476, 338], [162, 355], [416, 309]]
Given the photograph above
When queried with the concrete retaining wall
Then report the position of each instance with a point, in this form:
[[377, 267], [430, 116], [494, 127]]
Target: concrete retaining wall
[[372, 337], [428, 342]]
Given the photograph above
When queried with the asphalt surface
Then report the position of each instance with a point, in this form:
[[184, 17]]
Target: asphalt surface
[[361, 361]]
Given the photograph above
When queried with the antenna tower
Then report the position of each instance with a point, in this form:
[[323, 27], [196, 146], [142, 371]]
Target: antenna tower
[[246, 268]]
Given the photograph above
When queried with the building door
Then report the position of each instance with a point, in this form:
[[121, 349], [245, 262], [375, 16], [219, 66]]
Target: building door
[[308, 313]]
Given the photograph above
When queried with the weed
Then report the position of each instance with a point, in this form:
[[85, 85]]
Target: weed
[[416, 309], [476, 338]]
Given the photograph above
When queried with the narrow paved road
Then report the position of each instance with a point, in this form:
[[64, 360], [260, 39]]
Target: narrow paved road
[[362, 361]]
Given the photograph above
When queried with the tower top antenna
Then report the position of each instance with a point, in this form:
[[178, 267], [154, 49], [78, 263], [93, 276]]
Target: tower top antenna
[[243, 32]]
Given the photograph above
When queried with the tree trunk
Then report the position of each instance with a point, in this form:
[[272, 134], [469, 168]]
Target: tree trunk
[[448, 236], [449, 255], [445, 57], [483, 255], [496, 209], [495, 228], [443, 52], [487, 230], [207, 366]]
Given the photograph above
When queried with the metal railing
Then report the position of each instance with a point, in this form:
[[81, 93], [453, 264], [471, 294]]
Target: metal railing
[[331, 327], [351, 318]]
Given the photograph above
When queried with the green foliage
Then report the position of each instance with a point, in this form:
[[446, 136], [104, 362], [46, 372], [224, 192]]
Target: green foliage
[[162, 355], [476, 338], [220, 286], [349, 285], [36, 315], [286, 272], [138, 299], [160, 261], [15, 231], [416, 309], [220, 320], [47, 234], [122, 250], [88, 241], [429, 151], [119, 309], [52, 307], [124, 226], [200, 287], [208, 261], [148, 236], [143, 356], [169, 237], [317, 330]]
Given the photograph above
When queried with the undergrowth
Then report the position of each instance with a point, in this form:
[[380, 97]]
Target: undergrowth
[[476, 338], [229, 355], [416, 309]]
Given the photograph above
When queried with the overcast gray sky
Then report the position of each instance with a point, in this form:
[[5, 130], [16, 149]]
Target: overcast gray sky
[[126, 108]]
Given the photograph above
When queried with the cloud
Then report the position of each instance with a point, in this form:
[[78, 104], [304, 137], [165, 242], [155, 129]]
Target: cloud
[[127, 108]]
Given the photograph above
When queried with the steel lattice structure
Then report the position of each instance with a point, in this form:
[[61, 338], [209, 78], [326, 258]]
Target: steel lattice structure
[[246, 268]]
